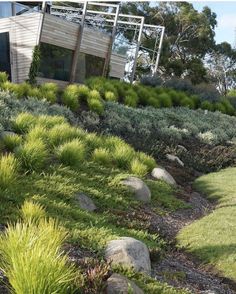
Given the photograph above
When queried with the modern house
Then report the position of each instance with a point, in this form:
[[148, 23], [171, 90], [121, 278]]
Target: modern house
[[66, 47]]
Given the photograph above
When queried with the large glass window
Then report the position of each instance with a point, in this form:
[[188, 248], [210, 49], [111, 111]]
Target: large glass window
[[5, 9], [5, 64], [88, 66], [55, 62]]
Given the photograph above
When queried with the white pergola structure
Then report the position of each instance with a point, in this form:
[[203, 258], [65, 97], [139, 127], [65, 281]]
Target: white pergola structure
[[108, 16]]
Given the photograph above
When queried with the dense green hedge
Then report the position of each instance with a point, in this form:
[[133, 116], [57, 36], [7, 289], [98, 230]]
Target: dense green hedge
[[161, 96]]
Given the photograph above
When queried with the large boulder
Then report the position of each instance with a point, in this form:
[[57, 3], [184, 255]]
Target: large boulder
[[161, 174], [174, 159], [140, 189], [85, 202], [118, 284], [129, 252]]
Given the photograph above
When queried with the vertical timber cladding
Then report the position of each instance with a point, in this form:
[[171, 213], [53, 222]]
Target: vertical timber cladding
[[62, 33], [24, 33]]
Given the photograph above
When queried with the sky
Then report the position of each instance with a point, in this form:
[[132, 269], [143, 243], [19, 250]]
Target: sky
[[226, 18]]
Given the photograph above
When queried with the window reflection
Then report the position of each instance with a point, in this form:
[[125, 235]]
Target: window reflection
[[55, 62]]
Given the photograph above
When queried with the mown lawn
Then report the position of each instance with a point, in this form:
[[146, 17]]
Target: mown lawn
[[213, 238]]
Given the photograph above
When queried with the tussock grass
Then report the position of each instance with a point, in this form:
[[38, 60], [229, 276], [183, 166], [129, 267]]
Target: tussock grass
[[23, 122], [102, 156], [138, 168], [32, 212], [70, 97], [8, 170], [122, 155], [32, 259], [11, 141], [147, 160], [62, 133], [71, 153], [95, 105], [32, 155], [37, 132]]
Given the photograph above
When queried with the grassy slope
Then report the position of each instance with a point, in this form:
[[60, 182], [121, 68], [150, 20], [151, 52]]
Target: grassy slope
[[55, 187], [213, 238]]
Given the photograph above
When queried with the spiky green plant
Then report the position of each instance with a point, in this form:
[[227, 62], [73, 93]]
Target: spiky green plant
[[48, 121], [32, 212], [11, 141], [147, 160], [32, 259], [95, 105], [46, 87], [8, 170], [138, 168], [32, 155], [110, 96], [62, 133], [122, 155], [23, 122], [83, 92], [70, 97], [102, 156], [71, 153], [37, 132], [3, 77]]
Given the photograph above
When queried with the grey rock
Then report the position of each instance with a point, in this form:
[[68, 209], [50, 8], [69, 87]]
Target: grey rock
[[140, 189], [161, 174], [118, 284], [129, 252], [85, 202], [175, 159]]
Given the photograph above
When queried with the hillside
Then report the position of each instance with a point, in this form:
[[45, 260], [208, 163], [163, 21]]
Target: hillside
[[94, 193]]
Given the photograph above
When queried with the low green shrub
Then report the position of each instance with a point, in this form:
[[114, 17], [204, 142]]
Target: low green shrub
[[32, 212], [94, 94], [207, 105], [21, 90], [122, 154], [49, 87], [165, 100], [83, 92], [32, 259], [11, 141], [37, 132], [8, 170], [95, 105], [61, 133], [70, 97], [71, 153], [138, 168], [35, 93], [23, 122], [32, 155], [110, 96], [187, 102], [147, 160], [50, 96], [131, 98], [102, 156], [49, 121], [3, 77], [154, 102]]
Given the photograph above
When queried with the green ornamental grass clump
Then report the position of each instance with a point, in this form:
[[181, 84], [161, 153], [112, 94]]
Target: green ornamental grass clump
[[71, 153], [95, 105], [32, 155], [35, 93], [37, 132], [23, 122], [147, 160], [48, 121], [3, 77], [102, 156], [110, 96], [70, 97], [62, 133], [46, 87], [32, 258], [131, 98], [11, 141], [32, 212], [138, 168], [122, 154], [165, 100], [8, 170], [83, 92]]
